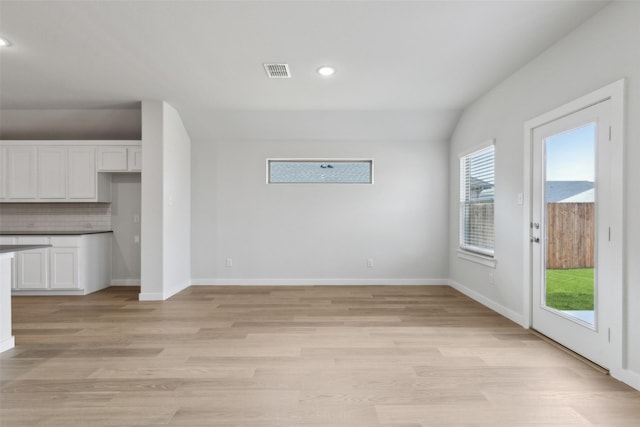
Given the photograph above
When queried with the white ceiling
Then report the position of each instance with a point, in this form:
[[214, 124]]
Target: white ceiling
[[206, 56]]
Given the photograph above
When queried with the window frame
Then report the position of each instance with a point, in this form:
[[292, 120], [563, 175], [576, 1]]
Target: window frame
[[470, 252], [269, 161]]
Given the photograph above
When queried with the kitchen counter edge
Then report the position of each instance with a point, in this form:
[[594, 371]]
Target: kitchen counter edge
[[19, 248], [53, 233]]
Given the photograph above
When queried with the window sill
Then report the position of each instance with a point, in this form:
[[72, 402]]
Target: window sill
[[477, 258]]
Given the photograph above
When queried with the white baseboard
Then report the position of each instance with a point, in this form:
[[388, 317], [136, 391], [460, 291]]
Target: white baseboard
[[47, 292], [628, 377], [319, 282], [498, 308], [125, 282], [7, 344], [151, 296], [161, 296], [179, 288]]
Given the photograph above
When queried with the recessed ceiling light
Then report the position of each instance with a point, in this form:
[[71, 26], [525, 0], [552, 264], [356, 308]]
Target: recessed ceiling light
[[4, 42], [326, 71]]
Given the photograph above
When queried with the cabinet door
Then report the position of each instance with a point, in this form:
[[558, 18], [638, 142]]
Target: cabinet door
[[82, 173], [10, 240], [112, 159], [21, 168], [64, 268], [3, 173], [134, 158], [52, 173], [32, 269]]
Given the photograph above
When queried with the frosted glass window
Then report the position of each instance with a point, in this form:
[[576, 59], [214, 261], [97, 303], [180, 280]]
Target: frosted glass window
[[320, 171]]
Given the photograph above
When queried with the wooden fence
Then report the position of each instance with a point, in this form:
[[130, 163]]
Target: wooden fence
[[570, 235]]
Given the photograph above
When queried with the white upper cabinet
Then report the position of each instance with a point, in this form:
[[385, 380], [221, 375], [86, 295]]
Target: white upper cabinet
[[52, 173], [120, 159], [82, 173], [134, 157], [3, 173], [21, 173], [63, 171], [112, 159]]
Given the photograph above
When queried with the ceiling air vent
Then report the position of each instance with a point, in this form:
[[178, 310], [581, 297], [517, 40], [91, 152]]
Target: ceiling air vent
[[278, 71]]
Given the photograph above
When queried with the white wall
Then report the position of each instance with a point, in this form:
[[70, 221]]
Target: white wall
[[125, 204], [151, 239], [601, 51], [97, 123], [166, 202], [176, 203], [319, 233]]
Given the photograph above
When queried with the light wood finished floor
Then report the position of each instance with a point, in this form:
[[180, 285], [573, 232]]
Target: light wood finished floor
[[293, 356]]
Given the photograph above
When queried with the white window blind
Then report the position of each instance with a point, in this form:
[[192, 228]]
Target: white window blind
[[476, 201]]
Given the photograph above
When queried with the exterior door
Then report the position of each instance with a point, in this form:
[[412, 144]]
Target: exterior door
[[570, 231]]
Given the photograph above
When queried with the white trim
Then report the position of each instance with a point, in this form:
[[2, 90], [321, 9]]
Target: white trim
[[162, 296], [466, 251], [616, 93], [48, 292], [487, 260], [527, 193], [628, 377], [151, 296], [320, 282], [7, 344], [176, 289], [491, 304], [125, 282], [477, 147]]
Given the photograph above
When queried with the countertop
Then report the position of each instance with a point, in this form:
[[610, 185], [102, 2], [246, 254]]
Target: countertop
[[17, 248], [52, 233]]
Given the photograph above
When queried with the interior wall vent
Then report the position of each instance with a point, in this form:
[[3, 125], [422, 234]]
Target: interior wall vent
[[278, 71]]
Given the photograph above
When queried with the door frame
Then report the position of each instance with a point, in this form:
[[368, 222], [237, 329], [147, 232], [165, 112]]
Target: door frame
[[615, 92]]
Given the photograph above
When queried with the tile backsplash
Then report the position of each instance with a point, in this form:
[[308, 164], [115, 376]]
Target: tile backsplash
[[55, 216]]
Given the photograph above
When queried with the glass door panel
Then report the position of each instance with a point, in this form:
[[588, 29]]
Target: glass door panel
[[570, 175]]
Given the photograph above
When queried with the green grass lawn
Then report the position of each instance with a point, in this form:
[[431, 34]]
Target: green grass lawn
[[570, 289]]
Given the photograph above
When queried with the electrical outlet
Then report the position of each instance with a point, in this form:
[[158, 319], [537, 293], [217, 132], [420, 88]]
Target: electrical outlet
[[136, 239], [228, 262], [136, 218], [370, 263]]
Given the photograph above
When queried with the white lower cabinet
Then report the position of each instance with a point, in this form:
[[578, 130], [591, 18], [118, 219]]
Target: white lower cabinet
[[63, 268], [72, 265], [32, 266], [32, 269]]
